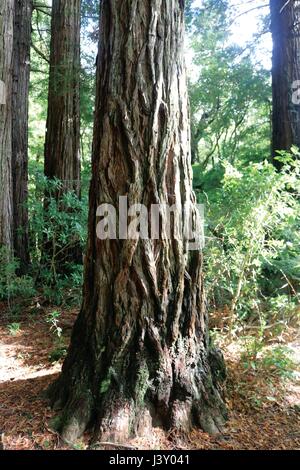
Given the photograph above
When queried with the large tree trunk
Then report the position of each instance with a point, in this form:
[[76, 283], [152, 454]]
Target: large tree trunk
[[21, 72], [285, 28], [62, 147], [139, 355], [6, 49]]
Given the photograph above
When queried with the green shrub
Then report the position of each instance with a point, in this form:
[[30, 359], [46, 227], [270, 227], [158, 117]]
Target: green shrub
[[252, 252], [12, 286], [14, 329], [57, 228]]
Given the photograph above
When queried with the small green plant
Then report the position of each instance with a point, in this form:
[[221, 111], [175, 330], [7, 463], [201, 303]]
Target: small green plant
[[68, 290], [11, 285], [46, 444], [279, 360], [57, 354], [252, 347], [79, 445], [53, 320], [14, 329], [60, 350]]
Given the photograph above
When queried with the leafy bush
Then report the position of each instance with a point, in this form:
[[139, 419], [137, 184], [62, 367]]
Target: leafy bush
[[252, 253], [60, 222], [58, 231], [12, 286]]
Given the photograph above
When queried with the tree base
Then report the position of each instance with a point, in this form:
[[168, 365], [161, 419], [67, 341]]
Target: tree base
[[180, 398]]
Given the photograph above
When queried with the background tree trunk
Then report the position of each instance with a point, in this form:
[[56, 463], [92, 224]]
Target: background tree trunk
[[21, 73], [139, 355], [6, 49], [62, 147], [285, 28]]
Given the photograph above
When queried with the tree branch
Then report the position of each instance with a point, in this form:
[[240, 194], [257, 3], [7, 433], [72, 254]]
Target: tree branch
[[248, 11], [41, 5], [40, 9], [40, 53]]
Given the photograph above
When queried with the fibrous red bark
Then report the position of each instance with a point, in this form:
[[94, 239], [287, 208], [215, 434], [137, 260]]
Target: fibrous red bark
[[139, 354]]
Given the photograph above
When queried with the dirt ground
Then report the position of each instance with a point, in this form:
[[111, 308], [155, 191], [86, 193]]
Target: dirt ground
[[264, 407]]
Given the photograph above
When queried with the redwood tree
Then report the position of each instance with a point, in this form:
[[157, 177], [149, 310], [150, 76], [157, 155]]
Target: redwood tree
[[285, 28], [62, 147], [139, 354], [21, 73], [6, 50]]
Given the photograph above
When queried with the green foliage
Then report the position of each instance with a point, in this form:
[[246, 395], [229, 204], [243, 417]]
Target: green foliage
[[14, 328], [57, 354], [60, 350], [252, 252], [53, 319], [279, 359], [276, 359], [11, 285], [56, 227], [230, 95], [229, 92]]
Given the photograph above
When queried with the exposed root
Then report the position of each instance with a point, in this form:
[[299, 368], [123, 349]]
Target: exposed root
[[116, 418]]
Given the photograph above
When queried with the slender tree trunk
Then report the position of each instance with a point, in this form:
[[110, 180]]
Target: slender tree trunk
[[62, 147], [139, 355], [6, 50], [20, 97], [285, 28]]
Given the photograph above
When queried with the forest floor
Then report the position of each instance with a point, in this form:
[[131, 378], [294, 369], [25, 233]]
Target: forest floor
[[262, 393]]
